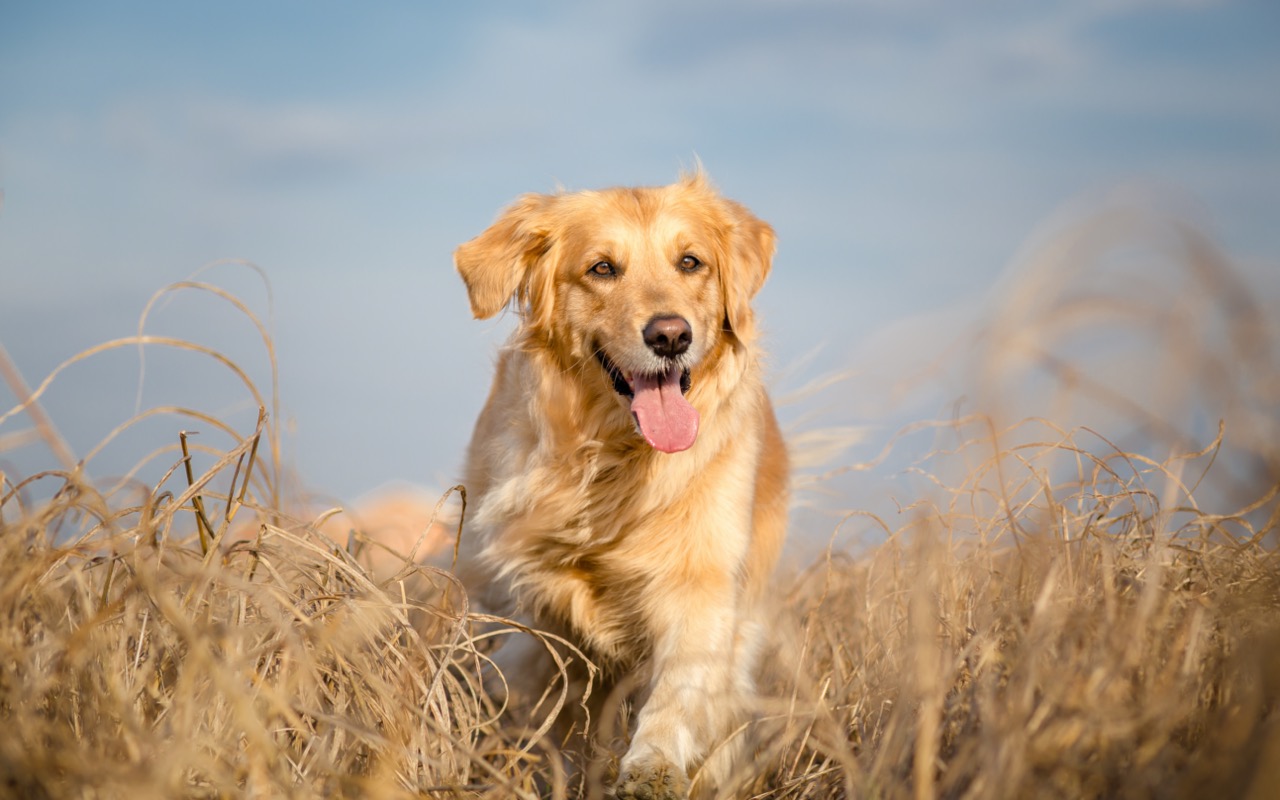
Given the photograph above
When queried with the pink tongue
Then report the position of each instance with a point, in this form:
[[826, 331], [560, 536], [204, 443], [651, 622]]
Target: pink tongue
[[665, 418]]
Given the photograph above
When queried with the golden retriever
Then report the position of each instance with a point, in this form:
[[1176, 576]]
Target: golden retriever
[[628, 480]]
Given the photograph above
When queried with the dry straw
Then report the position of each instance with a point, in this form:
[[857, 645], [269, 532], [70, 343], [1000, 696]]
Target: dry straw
[[1057, 616]]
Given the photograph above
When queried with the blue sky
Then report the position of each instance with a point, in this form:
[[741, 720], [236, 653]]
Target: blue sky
[[904, 151]]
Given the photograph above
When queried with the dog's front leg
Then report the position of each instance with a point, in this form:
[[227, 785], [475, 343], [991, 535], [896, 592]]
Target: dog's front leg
[[693, 698]]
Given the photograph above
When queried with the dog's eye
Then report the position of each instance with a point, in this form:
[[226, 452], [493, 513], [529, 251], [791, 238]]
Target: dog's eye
[[689, 263], [603, 269]]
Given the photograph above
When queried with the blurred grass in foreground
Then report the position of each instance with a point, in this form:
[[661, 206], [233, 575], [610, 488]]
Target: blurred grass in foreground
[[1057, 615]]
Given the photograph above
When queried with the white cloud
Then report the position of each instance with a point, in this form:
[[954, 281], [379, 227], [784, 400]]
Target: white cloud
[[668, 74]]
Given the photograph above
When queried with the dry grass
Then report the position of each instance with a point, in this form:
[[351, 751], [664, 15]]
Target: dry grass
[[1056, 616], [1073, 639]]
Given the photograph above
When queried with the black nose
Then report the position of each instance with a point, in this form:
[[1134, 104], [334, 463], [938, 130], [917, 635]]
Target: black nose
[[668, 336]]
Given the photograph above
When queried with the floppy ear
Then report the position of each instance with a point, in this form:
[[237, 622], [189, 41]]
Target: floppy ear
[[752, 244], [496, 264]]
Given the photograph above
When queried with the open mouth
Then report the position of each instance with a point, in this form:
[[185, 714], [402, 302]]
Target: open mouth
[[664, 417], [623, 386]]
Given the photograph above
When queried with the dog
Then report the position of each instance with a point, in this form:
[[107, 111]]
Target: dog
[[627, 478]]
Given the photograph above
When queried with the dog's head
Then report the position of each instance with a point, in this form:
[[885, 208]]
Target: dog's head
[[646, 283]]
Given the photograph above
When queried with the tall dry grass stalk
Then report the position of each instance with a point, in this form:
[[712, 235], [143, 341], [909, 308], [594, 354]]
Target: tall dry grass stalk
[[1029, 638], [1056, 616]]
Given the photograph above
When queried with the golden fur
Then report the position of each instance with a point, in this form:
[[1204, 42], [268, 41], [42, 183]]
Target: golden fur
[[655, 563]]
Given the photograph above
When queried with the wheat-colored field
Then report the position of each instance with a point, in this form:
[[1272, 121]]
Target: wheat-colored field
[[1055, 615]]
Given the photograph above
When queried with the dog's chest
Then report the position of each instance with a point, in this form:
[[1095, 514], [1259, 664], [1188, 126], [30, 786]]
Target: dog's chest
[[570, 550]]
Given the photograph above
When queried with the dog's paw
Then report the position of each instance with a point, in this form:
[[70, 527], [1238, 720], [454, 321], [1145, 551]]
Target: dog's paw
[[656, 782]]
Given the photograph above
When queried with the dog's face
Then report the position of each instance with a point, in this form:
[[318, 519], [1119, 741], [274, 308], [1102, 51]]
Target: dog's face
[[635, 288]]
